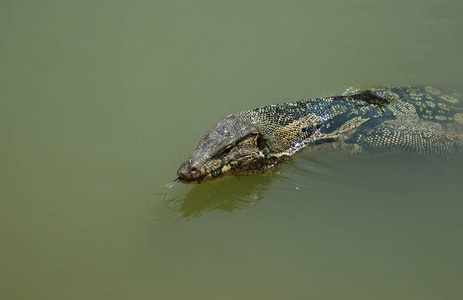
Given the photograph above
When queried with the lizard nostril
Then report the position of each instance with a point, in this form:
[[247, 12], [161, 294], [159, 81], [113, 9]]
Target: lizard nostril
[[194, 170]]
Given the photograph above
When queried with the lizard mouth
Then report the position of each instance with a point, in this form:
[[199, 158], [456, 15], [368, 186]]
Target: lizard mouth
[[195, 173], [192, 179], [192, 174]]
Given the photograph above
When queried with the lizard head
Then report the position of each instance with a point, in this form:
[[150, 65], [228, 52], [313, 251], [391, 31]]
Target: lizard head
[[234, 146], [251, 141]]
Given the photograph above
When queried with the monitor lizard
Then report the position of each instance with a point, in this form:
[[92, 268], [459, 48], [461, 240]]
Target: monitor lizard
[[418, 119]]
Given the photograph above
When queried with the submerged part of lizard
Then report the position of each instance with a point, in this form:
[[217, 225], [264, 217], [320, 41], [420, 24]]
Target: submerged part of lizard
[[420, 119]]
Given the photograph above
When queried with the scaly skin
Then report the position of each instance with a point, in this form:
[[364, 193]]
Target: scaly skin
[[419, 119]]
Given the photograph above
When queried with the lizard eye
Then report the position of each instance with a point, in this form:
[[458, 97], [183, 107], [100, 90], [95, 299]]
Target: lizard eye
[[222, 152], [226, 151]]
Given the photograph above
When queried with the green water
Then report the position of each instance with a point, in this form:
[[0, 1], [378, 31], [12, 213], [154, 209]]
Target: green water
[[100, 102]]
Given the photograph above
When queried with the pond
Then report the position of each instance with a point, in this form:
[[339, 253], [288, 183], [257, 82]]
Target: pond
[[101, 104]]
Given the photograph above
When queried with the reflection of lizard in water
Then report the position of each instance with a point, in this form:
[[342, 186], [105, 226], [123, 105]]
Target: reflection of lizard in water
[[420, 119]]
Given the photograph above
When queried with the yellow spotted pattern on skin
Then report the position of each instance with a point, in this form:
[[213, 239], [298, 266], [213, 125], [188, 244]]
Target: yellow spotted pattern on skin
[[430, 104], [450, 99], [432, 90], [440, 118], [458, 117]]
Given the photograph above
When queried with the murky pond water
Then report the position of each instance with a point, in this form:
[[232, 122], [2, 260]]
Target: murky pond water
[[100, 104]]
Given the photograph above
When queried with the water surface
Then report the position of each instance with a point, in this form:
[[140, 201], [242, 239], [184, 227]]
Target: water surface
[[101, 103]]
